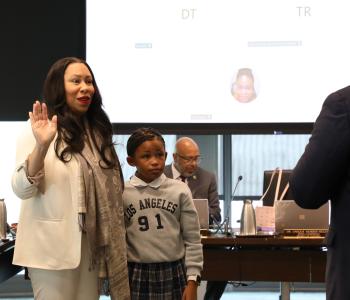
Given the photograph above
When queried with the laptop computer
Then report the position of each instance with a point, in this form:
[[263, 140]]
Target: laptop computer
[[292, 216], [203, 212]]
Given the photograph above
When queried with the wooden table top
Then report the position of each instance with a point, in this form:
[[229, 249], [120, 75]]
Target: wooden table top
[[261, 240]]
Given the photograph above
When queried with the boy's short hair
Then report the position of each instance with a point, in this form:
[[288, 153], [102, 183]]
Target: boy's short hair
[[141, 135]]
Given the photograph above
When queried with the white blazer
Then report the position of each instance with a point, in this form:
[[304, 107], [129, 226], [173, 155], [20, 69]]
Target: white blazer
[[48, 233]]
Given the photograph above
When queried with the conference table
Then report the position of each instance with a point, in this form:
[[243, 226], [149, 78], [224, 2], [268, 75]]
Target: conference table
[[241, 258], [264, 258]]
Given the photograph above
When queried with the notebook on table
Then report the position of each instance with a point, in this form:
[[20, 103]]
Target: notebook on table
[[203, 212], [293, 217]]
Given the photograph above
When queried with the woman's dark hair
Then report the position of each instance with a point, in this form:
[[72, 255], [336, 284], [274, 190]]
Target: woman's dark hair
[[70, 137], [140, 136]]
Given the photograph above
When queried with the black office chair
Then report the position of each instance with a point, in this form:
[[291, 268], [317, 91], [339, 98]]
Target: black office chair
[[270, 195]]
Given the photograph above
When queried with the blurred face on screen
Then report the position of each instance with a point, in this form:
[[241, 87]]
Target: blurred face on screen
[[186, 157], [243, 88], [78, 84]]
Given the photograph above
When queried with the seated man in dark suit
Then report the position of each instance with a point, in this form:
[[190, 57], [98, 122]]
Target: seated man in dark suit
[[202, 185], [201, 182]]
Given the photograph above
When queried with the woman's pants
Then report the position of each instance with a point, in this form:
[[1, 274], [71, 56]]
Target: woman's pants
[[72, 284]]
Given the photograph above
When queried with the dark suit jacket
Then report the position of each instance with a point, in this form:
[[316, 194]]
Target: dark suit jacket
[[203, 186], [323, 173]]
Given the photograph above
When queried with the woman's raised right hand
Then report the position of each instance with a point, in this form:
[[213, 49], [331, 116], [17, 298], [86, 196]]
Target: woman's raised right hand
[[44, 130]]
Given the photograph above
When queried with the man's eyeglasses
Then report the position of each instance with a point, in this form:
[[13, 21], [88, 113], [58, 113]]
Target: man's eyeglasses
[[189, 159]]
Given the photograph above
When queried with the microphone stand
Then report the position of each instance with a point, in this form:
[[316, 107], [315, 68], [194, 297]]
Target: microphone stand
[[226, 223], [222, 227], [218, 224], [225, 227]]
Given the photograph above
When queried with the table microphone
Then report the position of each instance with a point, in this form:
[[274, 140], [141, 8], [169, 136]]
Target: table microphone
[[227, 218], [240, 177]]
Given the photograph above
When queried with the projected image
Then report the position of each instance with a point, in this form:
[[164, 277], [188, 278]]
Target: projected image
[[177, 61], [243, 88]]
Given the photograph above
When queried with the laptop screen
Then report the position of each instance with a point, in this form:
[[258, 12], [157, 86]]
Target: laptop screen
[[203, 212]]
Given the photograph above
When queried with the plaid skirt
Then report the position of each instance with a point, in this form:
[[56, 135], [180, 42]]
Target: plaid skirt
[[157, 281]]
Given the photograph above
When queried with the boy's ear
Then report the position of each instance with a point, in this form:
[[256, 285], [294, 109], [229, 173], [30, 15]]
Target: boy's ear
[[130, 161]]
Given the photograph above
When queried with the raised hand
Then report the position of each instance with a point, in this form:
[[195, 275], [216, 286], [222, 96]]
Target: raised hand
[[44, 130]]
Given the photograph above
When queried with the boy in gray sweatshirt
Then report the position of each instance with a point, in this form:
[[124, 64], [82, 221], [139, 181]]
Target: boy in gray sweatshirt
[[165, 255]]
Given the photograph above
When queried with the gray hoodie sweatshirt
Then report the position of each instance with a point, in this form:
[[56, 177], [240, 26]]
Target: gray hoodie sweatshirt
[[162, 223]]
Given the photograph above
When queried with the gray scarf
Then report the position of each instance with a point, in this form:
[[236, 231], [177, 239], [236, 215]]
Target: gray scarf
[[101, 216]]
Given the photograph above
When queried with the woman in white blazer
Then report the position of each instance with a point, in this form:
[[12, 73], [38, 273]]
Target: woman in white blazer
[[71, 232]]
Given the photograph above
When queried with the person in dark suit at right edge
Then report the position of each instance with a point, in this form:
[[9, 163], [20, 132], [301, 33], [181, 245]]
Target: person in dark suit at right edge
[[322, 174]]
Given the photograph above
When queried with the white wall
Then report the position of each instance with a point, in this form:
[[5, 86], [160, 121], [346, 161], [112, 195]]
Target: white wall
[[9, 132]]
